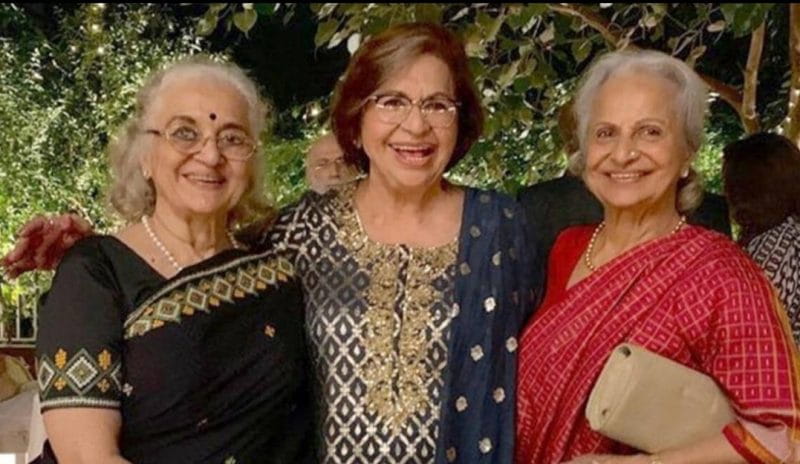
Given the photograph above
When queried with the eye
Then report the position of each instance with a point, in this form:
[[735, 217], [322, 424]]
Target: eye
[[185, 133], [651, 132], [392, 102], [232, 138], [437, 105], [603, 133]]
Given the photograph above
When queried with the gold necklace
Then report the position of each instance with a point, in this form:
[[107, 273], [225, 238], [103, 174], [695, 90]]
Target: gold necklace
[[587, 256]]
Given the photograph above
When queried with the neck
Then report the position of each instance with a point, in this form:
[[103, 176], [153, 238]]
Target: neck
[[390, 201], [191, 238], [625, 229]]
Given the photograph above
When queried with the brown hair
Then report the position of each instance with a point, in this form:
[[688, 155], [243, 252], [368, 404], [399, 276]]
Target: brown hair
[[762, 182], [384, 55]]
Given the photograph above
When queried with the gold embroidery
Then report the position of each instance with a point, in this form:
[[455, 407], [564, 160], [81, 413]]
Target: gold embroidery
[[61, 358], [104, 359], [104, 385], [209, 293], [80, 377], [395, 370], [269, 331]]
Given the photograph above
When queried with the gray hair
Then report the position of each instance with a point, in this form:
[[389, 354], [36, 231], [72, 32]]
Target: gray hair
[[132, 195], [691, 104]]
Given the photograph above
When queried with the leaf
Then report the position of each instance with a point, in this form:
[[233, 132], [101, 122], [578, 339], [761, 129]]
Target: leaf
[[325, 31], [717, 26], [508, 75], [581, 50], [245, 20], [548, 34], [460, 14], [353, 43], [427, 12], [266, 9], [207, 24]]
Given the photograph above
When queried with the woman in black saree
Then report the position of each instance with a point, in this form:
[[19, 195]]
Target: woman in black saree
[[167, 341]]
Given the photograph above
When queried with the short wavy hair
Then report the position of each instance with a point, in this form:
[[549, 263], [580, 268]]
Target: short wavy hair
[[131, 195], [691, 104], [384, 55], [761, 175]]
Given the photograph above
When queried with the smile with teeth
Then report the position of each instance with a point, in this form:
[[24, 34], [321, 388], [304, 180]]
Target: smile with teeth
[[205, 179], [413, 154], [626, 176]]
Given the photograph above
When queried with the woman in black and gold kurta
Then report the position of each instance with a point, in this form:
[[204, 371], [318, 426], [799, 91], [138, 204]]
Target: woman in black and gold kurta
[[168, 342]]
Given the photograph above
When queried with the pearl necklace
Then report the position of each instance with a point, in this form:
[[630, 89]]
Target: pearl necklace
[[174, 262], [587, 256]]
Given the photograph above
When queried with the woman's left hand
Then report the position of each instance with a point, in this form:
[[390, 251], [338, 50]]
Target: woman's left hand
[[610, 459]]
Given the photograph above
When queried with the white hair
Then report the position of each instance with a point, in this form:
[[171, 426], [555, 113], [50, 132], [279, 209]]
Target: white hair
[[130, 194], [690, 103]]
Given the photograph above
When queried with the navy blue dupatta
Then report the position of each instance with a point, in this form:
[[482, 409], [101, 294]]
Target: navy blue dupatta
[[494, 294]]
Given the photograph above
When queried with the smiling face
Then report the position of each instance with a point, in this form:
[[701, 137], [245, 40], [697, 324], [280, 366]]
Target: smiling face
[[635, 147], [203, 183], [412, 154]]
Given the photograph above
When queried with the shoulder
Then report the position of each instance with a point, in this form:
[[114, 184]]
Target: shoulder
[[92, 252], [575, 234], [486, 199], [721, 263]]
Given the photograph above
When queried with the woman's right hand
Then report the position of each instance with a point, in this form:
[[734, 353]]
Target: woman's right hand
[[42, 243]]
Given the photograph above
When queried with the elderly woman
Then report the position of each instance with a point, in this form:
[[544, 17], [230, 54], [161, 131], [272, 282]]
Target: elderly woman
[[415, 288], [762, 183], [167, 341], [646, 277]]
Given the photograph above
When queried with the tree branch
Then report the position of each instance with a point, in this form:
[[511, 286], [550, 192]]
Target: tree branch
[[726, 92], [592, 19], [749, 113], [793, 129]]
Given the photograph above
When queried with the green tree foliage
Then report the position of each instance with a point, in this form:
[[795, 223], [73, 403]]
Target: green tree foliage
[[526, 59], [62, 94]]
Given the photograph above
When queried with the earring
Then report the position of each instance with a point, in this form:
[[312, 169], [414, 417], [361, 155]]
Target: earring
[[685, 173]]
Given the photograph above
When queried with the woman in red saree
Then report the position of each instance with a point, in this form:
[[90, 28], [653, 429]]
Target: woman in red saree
[[643, 276]]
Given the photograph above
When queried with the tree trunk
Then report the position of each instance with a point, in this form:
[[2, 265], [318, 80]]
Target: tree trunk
[[793, 126]]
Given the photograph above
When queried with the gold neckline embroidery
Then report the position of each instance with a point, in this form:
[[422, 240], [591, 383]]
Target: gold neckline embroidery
[[396, 342]]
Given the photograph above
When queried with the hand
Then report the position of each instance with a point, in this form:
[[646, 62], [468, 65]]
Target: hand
[[43, 241], [610, 459]]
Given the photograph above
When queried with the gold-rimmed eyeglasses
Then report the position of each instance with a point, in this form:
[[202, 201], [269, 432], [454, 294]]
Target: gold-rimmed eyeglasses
[[439, 111], [232, 142]]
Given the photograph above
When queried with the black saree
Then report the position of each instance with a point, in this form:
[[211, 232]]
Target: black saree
[[209, 366]]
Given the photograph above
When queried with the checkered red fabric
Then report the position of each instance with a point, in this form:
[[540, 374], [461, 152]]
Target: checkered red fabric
[[693, 297]]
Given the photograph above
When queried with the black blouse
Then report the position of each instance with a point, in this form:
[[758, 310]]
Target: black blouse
[[209, 366]]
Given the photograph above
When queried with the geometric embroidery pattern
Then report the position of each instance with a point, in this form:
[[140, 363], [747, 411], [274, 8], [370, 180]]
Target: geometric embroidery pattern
[[207, 294], [80, 379]]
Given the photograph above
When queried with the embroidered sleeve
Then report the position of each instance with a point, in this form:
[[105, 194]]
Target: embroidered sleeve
[[287, 234], [80, 335]]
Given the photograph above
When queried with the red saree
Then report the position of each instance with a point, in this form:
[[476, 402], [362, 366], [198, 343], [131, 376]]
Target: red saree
[[693, 297]]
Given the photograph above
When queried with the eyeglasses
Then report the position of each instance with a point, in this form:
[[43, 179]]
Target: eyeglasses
[[327, 163], [440, 112], [233, 143]]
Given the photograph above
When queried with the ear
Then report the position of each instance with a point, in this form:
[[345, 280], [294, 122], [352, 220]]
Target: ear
[[146, 165]]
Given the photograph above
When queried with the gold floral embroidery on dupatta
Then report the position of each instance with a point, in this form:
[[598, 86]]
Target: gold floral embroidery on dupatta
[[396, 343]]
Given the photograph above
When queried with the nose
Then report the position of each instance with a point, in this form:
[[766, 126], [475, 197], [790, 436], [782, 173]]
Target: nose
[[209, 153], [622, 149], [415, 122]]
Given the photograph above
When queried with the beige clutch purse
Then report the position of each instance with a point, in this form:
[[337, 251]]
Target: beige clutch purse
[[652, 403]]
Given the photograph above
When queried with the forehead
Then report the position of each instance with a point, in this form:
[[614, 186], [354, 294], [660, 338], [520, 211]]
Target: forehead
[[633, 95], [420, 76], [325, 148], [198, 96]]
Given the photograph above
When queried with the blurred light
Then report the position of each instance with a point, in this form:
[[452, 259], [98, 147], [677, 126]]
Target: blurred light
[[95, 28], [101, 50]]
